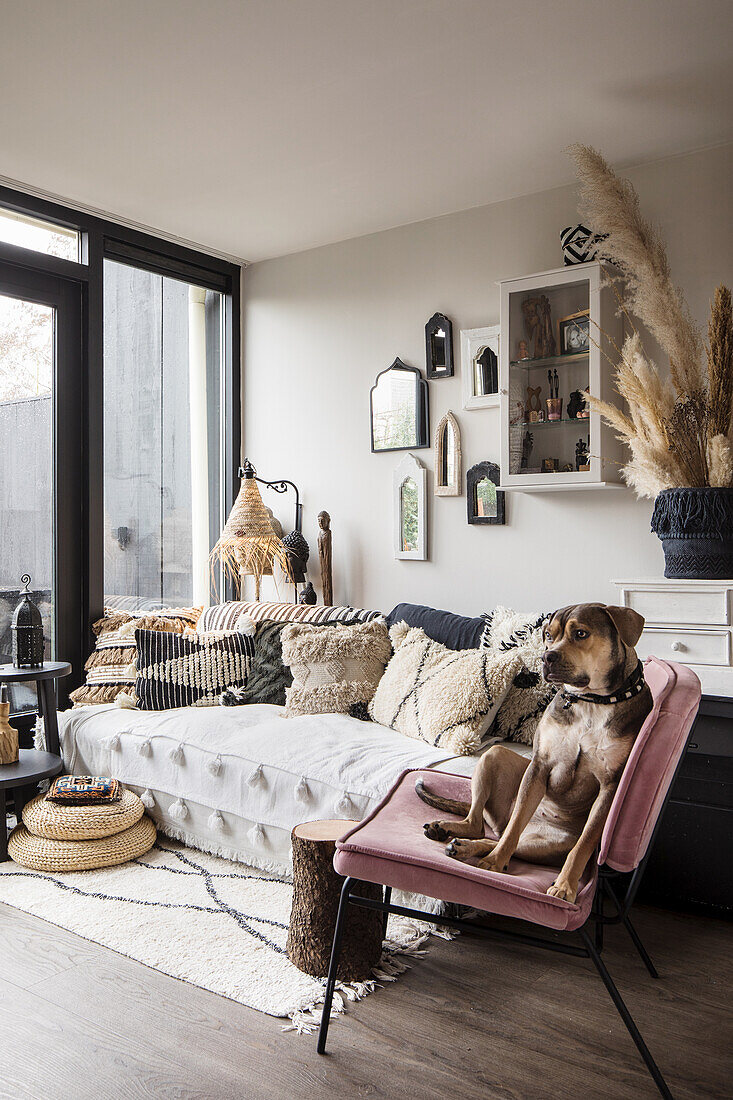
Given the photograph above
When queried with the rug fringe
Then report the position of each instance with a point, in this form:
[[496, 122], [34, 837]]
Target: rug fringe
[[391, 965]]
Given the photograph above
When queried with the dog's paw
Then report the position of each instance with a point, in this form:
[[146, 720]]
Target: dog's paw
[[460, 849], [492, 862], [435, 831], [562, 888]]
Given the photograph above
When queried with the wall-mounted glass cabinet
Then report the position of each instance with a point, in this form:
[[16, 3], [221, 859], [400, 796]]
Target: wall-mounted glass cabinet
[[553, 327]]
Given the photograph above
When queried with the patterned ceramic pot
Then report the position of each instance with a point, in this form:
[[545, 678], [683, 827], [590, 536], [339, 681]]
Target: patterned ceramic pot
[[695, 527]]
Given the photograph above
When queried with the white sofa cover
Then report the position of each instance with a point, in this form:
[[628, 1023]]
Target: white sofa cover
[[234, 781]]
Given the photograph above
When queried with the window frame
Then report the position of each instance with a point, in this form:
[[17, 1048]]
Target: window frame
[[103, 239]]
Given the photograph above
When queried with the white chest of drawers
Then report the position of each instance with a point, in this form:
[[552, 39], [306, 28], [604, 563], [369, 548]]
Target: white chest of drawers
[[687, 621]]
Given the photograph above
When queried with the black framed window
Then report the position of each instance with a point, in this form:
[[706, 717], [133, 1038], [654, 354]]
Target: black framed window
[[124, 407]]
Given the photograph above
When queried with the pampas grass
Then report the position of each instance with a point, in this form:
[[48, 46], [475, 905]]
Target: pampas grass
[[680, 433]]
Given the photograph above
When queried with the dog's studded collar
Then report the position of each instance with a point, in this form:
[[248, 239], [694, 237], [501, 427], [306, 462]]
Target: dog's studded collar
[[631, 687]]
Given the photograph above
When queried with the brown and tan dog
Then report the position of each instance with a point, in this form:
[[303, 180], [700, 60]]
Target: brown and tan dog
[[552, 808]]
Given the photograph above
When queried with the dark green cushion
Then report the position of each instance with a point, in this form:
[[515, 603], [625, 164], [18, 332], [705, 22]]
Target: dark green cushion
[[268, 677]]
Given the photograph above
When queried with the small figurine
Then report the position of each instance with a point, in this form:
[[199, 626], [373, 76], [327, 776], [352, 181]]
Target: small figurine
[[534, 404], [308, 595], [532, 323], [549, 465], [518, 415], [522, 350], [581, 455], [575, 404], [585, 411], [527, 444]]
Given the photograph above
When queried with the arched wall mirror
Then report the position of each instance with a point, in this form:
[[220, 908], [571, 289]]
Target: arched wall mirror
[[480, 367], [398, 402], [448, 457], [410, 525], [439, 347], [485, 500]]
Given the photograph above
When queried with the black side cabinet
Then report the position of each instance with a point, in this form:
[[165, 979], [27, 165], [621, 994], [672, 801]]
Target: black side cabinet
[[691, 864]]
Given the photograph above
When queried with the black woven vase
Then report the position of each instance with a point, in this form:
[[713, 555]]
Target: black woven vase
[[696, 530]]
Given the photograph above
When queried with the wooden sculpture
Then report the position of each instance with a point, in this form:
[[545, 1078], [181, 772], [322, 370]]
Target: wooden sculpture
[[324, 553], [8, 735]]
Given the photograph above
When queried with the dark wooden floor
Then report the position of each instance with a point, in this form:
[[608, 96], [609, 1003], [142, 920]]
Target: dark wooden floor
[[475, 1018]]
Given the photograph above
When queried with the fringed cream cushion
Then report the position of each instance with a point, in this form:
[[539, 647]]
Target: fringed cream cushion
[[333, 667], [445, 697], [110, 668]]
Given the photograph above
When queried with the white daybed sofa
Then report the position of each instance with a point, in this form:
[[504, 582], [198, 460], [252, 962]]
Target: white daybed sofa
[[234, 781]]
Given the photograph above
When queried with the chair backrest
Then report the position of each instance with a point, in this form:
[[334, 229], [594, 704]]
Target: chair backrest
[[651, 765]]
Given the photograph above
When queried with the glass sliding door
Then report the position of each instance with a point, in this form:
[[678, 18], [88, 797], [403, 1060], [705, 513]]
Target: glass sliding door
[[163, 437], [40, 514]]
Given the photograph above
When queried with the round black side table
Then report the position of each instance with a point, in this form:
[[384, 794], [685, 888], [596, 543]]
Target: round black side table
[[45, 677], [22, 778]]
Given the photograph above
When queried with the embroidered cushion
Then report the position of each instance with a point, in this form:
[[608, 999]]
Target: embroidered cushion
[[84, 789], [189, 670], [443, 696], [268, 677], [335, 668], [530, 694], [110, 669], [224, 616]]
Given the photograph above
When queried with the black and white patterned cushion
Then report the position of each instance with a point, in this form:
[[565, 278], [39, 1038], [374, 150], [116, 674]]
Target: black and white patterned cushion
[[189, 670], [224, 616]]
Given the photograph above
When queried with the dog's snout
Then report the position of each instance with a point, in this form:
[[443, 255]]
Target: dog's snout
[[551, 657]]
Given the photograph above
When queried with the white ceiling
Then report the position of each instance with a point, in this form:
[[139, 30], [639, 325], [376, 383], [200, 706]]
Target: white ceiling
[[260, 127]]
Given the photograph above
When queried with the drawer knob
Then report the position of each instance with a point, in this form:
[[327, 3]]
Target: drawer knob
[[678, 647]]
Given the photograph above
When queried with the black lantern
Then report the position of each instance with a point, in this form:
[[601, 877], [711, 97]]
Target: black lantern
[[27, 630]]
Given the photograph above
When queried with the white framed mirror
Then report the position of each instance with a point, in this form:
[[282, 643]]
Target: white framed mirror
[[480, 367], [448, 457], [410, 524]]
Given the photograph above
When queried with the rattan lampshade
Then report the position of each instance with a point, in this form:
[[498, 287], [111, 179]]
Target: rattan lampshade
[[248, 545]]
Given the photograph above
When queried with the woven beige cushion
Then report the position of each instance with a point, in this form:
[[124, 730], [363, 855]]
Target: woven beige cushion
[[57, 822], [42, 854], [333, 667]]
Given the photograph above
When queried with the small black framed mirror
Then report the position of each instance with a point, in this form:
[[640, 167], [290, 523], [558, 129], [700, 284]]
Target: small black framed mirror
[[485, 498], [398, 401], [439, 347]]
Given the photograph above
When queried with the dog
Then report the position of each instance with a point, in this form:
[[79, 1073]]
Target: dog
[[551, 809]]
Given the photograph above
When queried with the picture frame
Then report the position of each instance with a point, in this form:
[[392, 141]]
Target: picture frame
[[439, 347], [480, 506], [409, 482], [399, 409], [573, 334], [480, 367]]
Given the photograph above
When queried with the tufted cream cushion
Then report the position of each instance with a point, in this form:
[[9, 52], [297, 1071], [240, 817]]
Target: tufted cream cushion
[[443, 696], [333, 667]]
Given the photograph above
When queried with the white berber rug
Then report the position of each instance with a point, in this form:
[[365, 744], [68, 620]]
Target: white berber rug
[[205, 920]]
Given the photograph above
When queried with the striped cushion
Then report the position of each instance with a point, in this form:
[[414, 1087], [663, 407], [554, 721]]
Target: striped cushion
[[224, 615], [189, 670], [110, 669]]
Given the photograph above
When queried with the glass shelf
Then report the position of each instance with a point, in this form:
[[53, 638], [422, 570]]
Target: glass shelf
[[550, 423], [550, 361]]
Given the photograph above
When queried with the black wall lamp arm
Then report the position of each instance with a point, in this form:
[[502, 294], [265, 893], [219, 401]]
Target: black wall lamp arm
[[248, 472]]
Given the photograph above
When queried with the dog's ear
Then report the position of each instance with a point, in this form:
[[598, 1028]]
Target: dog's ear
[[628, 623]]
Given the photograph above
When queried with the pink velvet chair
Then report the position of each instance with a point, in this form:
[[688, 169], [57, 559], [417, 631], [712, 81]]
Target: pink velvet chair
[[389, 848]]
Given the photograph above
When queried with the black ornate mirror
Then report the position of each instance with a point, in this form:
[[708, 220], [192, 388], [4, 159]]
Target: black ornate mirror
[[399, 409], [485, 499], [439, 347]]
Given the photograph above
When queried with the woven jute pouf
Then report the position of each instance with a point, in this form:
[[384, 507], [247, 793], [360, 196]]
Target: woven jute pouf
[[58, 822], [43, 854]]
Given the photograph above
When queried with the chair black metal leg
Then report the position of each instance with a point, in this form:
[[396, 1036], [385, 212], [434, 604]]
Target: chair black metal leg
[[626, 1016], [640, 947], [599, 899], [333, 966], [387, 899]]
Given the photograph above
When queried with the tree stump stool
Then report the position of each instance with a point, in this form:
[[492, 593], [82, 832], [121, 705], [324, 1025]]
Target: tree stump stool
[[316, 893]]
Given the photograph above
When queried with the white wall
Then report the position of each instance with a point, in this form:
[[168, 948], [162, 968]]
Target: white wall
[[319, 326]]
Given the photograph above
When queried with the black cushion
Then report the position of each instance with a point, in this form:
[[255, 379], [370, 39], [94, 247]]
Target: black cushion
[[453, 631]]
